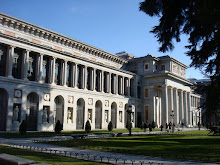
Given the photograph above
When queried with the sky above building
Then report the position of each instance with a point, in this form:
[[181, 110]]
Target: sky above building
[[111, 25]]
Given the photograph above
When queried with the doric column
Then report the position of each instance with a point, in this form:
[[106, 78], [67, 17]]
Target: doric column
[[64, 73], [181, 106], [91, 78], [40, 68], [116, 84], [175, 108], [165, 105], [9, 66], [170, 103], [82, 77], [53, 62], [185, 108], [75, 76], [189, 109], [25, 58], [123, 86], [94, 79], [37, 67], [128, 87], [85, 78], [109, 82], [72, 68], [102, 81]]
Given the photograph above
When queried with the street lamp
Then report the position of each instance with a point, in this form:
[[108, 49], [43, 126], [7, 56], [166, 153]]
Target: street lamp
[[129, 111], [172, 116]]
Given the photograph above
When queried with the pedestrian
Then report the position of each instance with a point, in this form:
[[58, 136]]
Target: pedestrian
[[161, 128], [150, 128], [166, 126], [170, 125]]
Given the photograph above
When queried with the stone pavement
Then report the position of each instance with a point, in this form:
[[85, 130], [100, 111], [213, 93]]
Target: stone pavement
[[97, 156]]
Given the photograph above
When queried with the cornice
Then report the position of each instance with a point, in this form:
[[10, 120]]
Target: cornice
[[43, 33], [64, 53], [169, 74]]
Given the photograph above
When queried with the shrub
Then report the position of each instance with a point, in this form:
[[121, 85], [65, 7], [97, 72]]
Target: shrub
[[58, 127], [141, 125], [110, 126], [153, 125], [88, 126], [23, 127]]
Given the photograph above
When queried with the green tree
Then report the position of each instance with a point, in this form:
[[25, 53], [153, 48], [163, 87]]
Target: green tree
[[88, 126], [200, 21], [110, 126], [23, 127]]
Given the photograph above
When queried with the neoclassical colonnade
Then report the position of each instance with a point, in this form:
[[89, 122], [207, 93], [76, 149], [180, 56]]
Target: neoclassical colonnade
[[27, 65], [170, 101]]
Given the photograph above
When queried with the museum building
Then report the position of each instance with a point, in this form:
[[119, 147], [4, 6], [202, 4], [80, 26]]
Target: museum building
[[46, 77]]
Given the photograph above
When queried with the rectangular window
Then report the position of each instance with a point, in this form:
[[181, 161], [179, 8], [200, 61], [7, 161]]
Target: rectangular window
[[139, 92], [162, 67], [146, 92], [146, 66]]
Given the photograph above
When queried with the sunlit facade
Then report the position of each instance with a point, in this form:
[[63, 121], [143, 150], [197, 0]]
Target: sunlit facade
[[46, 77]]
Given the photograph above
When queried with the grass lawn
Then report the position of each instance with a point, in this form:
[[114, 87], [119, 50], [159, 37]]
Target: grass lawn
[[197, 132], [205, 148], [43, 157], [65, 133]]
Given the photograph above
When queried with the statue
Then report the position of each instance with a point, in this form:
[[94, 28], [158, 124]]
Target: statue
[[106, 116], [69, 117], [15, 114], [45, 115], [120, 116]]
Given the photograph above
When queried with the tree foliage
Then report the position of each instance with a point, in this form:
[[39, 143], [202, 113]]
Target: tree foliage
[[200, 21]]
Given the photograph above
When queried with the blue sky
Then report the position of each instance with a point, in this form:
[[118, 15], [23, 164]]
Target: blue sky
[[111, 25]]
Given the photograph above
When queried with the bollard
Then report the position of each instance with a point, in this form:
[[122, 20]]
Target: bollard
[[141, 162]]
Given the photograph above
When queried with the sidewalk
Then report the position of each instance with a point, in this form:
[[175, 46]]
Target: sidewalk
[[107, 157]]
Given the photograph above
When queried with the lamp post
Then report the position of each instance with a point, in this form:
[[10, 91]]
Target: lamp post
[[129, 111], [172, 116]]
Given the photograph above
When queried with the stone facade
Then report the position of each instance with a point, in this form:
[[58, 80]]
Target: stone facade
[[46, 77]]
